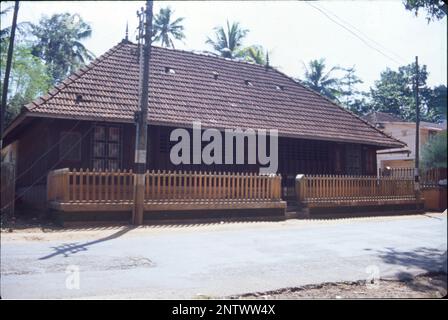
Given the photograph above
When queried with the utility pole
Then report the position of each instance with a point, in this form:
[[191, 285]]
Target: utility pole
[[145, 19], [8, 71], [417, 135]]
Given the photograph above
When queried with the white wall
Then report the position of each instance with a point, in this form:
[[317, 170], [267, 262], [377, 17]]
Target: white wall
[[406, 133]]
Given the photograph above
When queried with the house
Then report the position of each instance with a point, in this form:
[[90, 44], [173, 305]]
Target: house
[[88, 121], [404, 131]]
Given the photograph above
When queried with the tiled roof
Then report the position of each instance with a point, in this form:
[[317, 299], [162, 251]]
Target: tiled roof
[[381, 117], [441, 126], [378, 117], [219, 92]]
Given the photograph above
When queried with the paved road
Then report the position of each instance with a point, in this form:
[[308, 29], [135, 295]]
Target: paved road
[[222, 260]]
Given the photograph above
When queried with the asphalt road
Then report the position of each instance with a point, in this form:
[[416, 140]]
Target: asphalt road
[[190, 262]]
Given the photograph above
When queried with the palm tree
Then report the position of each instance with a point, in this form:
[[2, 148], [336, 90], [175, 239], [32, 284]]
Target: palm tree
[[227, 42], [256, 54], [164, 30], [58, 43], [320, 80]]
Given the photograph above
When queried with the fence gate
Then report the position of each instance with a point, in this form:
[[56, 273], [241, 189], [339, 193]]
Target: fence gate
[[288, 188], [7, 189]]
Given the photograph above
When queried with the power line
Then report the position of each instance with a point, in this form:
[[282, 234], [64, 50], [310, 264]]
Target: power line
[[355, 34], [364, 34]]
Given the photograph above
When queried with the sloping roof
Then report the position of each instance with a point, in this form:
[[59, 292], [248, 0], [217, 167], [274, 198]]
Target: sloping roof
[[431, 125], [109, 90], [381, 117], [378, 117]]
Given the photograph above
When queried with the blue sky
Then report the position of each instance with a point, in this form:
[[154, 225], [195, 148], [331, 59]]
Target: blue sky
[[293, 31]]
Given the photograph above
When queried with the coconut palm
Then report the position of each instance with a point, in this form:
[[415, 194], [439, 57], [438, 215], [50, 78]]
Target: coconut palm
[[256, 54], [228, 41], [321, 80], [165, 30], [58, 43]]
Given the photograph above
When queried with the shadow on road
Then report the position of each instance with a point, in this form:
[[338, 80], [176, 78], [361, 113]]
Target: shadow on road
[[67, 249], [432, 261]]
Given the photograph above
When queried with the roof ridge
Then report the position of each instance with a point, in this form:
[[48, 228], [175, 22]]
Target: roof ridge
[[70, 79], [211, 55]]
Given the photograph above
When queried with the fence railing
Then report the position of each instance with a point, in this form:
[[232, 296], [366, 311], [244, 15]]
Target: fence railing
[[118, 186], [428, 177], [90, 185], [339, 188], [167, 185]]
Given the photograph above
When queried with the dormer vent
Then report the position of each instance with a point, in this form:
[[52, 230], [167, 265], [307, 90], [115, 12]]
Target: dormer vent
[[169, 70], [279, 87], [78, 98]]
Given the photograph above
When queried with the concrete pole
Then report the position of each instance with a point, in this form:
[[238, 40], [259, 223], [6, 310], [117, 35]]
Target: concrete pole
[[142, 129]]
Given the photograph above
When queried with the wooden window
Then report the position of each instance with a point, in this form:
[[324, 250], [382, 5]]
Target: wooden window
[[107, 147], [70, 146]]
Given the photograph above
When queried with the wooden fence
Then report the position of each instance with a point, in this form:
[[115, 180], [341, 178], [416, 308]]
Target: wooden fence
[[428, 177], [167, 185], [336, 190], [90, 186], [163, 189]]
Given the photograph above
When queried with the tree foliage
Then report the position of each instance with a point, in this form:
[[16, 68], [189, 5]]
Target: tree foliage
[[21, 30], [4, 32], [58, 43], [165, 29], [29, 78], [322, 80], [256, 54], [350, 96], [437, 102], [45, 53], [227, 41], [434, 152], [336, 83], [394, 93], [435, 9]]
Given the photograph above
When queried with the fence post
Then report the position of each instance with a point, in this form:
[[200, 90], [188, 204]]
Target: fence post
[[66, 182], [300, 179]]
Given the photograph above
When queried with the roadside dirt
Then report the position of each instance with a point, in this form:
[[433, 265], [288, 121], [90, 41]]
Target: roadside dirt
[[41, 230], [423, 286]]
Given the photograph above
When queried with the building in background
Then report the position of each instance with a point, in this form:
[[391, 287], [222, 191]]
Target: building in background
[[404, 131]]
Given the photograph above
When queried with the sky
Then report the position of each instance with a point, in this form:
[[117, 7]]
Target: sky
[[294, 32]]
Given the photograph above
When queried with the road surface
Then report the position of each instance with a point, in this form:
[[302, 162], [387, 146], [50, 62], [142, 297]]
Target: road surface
[[216, 260]]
